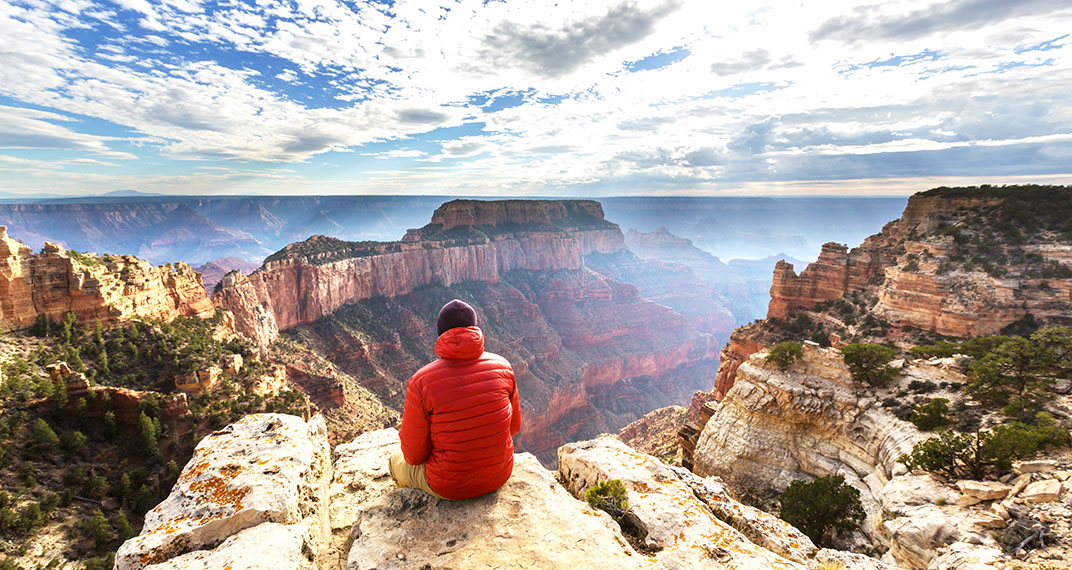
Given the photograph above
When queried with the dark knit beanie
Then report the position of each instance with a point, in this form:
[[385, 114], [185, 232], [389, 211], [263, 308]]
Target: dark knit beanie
[[455, 314]]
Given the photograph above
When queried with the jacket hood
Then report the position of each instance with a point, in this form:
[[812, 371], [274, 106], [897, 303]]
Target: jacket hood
[[461, 343]]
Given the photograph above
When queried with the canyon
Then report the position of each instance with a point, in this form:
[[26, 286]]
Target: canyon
[[591, 351]]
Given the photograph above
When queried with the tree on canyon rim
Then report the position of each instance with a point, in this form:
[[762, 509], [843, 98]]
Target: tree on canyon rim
[[824, 505]]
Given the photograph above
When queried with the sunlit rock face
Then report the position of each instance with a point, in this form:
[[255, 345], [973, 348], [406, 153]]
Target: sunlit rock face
[[958, 263], [466, 241], [110, 288], [775, 426]]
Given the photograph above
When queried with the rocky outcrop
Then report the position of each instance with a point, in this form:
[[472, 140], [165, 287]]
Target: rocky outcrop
[[311, 279], [656, 433], [110, 288], [256, 488], [510, 214], [953, 264], [263, 494], [774, 427]]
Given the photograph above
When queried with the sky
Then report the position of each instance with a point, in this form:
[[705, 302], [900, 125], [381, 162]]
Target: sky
[[533, 98]]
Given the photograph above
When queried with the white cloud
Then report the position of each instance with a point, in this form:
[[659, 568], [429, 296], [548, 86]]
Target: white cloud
[[763, 86]]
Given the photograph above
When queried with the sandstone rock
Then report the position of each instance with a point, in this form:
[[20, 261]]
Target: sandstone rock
[[109, 288], [231, 363], [1019, 484], [267, 546], [914, 490], [1062, 475], [532, 522], [1036, 466], [999, 510], [1043, 491], [682, 524], [264, 468], [986, 519], [983, 490], [918, 535]]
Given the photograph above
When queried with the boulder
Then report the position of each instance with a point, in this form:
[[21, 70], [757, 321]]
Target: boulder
[[532, 522], [1036, 466], [983, 490], [988, 519], [1044, 491], [1018, 485], [263, 468], [268, 546]]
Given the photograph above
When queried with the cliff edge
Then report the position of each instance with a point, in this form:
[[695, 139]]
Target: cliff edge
[[264, 493]]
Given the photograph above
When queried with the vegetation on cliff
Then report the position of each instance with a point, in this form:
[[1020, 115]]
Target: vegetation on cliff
[[821, 507], [84, 456], [321, 250]]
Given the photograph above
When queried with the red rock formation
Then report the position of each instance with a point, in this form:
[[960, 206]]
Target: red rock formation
[[293, 289], [325, 391], [476, 213], [110, 288]]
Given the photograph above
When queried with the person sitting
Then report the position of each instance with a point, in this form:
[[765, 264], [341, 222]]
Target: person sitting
[[461, 412]]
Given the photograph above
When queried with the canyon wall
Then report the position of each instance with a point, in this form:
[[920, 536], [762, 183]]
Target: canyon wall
[[301, 288], [110, 288], [774, 427], [952, 265]]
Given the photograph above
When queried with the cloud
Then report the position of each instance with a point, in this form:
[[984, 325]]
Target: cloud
[[867, 23], [546, 96], [748, 61], [551, 51], [31, 129]]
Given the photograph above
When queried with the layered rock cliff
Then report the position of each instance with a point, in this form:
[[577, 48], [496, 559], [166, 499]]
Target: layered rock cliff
[[960, 262], [265, 493], [311, 279], [110, 288], [777, 426], [957, 263]]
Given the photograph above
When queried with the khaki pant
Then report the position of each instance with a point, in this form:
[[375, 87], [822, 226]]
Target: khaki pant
[[409, 476]]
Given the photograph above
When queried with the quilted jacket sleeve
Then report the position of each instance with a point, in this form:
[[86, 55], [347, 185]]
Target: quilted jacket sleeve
[[515, 408], [414, 433]]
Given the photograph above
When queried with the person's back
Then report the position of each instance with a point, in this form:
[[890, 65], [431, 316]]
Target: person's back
[[460, 414]]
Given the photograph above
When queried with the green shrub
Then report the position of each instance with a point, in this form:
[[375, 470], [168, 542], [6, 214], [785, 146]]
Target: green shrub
[[42, 438], [869, 363], [609, 496], [823, 505], [984, 453], [785, 353], [932, 415]]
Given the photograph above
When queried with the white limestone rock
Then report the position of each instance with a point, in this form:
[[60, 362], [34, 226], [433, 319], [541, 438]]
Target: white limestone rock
[[532, 522], [263, 468], [1045, 491], [918, 534], [1036, 466], [360, 476], [267, 546], [675, 520], [983, 490]]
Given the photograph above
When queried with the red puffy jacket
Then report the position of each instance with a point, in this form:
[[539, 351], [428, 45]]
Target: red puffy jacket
[[460, 414]]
